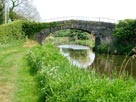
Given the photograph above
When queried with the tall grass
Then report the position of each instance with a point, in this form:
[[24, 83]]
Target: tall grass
[[58, 81]]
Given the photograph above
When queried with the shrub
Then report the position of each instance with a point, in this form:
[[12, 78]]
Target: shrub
[[104, 48], [11, 31], [21, 28], [30, 28], [125, 35]]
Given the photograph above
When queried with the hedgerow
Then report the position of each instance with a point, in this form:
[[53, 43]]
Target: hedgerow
[[20, 29]]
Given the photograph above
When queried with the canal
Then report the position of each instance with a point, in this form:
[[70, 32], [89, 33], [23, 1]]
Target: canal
[[84, 57]]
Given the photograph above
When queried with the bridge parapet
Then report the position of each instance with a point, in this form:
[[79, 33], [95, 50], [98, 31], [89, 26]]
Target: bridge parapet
[[98, 19]]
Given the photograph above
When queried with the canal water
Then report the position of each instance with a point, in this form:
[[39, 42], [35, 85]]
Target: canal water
[[84, 57], [78, 55]]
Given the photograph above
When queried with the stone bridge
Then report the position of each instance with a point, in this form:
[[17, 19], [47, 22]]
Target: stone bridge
[[101, 30]]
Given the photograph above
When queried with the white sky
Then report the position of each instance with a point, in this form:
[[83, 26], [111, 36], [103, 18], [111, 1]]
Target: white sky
[[115, 9]]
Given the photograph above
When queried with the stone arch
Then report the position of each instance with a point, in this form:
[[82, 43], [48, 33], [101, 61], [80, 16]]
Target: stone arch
[[101, 30]]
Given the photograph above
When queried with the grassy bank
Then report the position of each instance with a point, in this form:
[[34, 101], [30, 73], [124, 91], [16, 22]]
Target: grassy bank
[[16, 83], [58, 81]]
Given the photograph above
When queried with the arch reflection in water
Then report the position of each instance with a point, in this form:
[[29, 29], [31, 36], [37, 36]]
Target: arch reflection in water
[[78, 55]]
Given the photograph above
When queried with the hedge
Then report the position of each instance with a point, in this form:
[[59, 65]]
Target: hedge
[[20, 28], [11, 30]]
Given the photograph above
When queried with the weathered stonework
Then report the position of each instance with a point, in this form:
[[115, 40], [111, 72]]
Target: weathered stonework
[[101, 30]]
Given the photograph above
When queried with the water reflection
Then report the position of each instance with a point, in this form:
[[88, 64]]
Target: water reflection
[[83, 57], [78, 55]]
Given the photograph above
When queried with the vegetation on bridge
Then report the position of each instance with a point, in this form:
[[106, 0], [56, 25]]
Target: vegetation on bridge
[[124, 34], [55, 79], [20, 29]]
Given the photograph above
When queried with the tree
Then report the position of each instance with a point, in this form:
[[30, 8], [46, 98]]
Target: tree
[[29, 12], [15, 16], [14, 4], [125, 35], [1, 11], [23, 9]]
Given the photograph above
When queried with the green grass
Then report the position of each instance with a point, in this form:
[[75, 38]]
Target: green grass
[[58, 81], [50, 78], [16, 83]]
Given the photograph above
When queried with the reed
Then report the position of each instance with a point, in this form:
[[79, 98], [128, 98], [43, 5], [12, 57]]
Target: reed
[[59, 81]]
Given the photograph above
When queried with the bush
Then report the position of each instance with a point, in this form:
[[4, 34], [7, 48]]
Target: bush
[[21, 28], [62, 33], [104, 48], [11, 31], [30, 28], [81, 35], [125, 35]]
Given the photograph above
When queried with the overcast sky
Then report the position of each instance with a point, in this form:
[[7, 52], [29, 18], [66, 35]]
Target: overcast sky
[[115, 9]]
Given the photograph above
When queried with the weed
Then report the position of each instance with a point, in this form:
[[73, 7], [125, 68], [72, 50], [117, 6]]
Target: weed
[[58, 81]]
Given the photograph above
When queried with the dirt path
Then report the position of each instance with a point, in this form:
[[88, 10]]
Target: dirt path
[[16, 84], [8, 72]]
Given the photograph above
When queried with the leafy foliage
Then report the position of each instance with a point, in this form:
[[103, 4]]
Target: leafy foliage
[[30, 28], [72, 33], [14, 16], [74, 36], [62, 33], [1, 12], [81, 35], [104, 48], [11, 31], [21, 28], [125, 35]]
